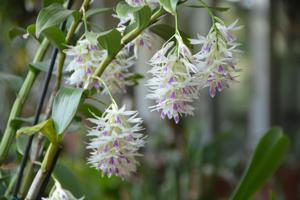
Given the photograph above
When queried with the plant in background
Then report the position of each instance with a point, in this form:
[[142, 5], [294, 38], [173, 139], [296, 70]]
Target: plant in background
[[100, 62]]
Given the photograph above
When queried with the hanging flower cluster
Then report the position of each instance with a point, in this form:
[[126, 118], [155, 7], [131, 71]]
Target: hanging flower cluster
[[115, 141], [173, 86], [58, 193], [178, 75], [87, 56], [217, 59], [117, 74]]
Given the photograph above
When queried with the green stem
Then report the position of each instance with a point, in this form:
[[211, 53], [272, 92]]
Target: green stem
[[10, 130], [125, 40], [49, 157], [10, 186], [42, 173], [39, 140]]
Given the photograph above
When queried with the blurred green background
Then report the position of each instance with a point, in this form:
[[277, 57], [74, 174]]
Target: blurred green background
[[204, 156]]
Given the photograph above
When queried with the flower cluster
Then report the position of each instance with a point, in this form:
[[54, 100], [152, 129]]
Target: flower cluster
[[217, 59], [87, 56], [117, 74], [173, 86], [58, 193], [115, 141], [178, 75]]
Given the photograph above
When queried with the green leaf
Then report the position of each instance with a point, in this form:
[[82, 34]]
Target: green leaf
[[88, 110], [219, 9], [267, 157], [51, 16], [166, 32], [142, 17], [96, 11], [56, 37], [68, 179], [19, 121], [31, 29], [91, 37], [13, 81], [39, 66], [46, 3], [111, 41], [123, 9], [21, 142], [16, 31], [45, 127], [135, 78], [64, 107], [169, 5]]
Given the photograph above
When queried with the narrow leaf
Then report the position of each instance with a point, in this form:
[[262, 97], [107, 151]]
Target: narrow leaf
[[31, 29], [45, 127], [21, 142], [18, 121], [111, 41], [87, 109], [64, 107], [96, 11], [142, 17], [39, 66], [123, 9], [51, 16], [219, 9], [12, 81], [169, 5], [135, 78], [49, 2], [56, 37], [266, 159], [16, 31]]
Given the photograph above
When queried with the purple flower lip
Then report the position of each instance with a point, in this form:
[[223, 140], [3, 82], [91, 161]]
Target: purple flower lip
[[104, 133], [117, 171], [173, 95], [162, 115], [221, 69], [219, 86], [175, 107], [212, 90], [110, 171], [171, 80], [176, 118], [165, 69], [111, 161], [88, 71], [78, 60], [141, 43], [116, 144], [118, 120]]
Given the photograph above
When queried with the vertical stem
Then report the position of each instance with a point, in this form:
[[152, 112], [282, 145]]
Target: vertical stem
[[42, 178], [10, 131], [42, 173]]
